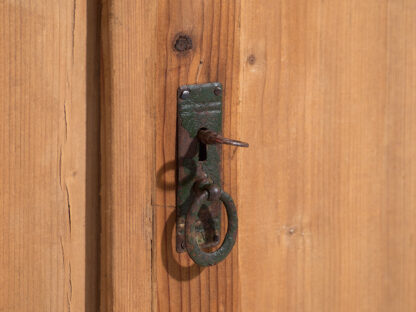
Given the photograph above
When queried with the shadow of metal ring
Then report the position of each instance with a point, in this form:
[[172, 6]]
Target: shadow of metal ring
[[175, 269], [171, 165]]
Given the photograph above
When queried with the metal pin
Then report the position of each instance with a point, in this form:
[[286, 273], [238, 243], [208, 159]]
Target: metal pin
[[211, 137]]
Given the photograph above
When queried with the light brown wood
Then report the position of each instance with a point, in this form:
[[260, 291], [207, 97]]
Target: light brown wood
[[327, 189], [49, 158], [181, 285], [141, 73], [324, 92], [127, 124]]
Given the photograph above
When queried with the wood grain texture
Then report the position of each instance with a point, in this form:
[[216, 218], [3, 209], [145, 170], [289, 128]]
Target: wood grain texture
[[48, 174], [181, 285], [127, 124], [327, 189], [140, 75]]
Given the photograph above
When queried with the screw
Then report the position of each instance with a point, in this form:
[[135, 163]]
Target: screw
[[185, 94], [217, 91]]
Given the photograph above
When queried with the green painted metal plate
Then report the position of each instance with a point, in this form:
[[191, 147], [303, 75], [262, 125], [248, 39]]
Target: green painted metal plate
[[198, 107]]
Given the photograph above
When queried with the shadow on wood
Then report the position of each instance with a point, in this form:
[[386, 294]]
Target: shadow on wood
[[174, 267]]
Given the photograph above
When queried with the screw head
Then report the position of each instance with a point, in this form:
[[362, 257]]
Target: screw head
[[217, 91], [185, 94]]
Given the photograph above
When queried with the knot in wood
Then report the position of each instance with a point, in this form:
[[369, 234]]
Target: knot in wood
[[183, 43]]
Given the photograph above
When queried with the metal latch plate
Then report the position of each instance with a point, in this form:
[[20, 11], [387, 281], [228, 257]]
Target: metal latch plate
[[199, 106]]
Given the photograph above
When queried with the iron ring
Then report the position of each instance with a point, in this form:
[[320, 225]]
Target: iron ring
[[192, 246]]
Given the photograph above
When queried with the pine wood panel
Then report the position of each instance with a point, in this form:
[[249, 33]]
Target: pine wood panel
[[127, 124], [140, 75], [324, 92], [327, 189], [181, 285], [48, 174]]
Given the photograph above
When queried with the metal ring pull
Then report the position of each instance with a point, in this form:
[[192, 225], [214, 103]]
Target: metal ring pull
[[210, 192], [211, 137]]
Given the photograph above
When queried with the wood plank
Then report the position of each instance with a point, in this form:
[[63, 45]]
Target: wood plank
[[327, 189], [212, 25], [48, 174], [128, 66]]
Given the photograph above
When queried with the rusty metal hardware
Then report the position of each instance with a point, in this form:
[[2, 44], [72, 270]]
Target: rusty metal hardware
[[199, 144], [207, 136], [208, 191]]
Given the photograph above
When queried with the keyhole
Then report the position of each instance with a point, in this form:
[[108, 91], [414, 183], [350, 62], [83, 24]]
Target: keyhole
[[202, 151]]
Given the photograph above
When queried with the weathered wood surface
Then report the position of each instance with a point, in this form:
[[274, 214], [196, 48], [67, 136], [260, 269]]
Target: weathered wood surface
[[49, 164], [327, 189], [127, 151], [325, 94], [212, 25], [141, 73]]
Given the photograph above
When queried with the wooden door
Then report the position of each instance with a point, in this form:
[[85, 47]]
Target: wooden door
[[324, 92]]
